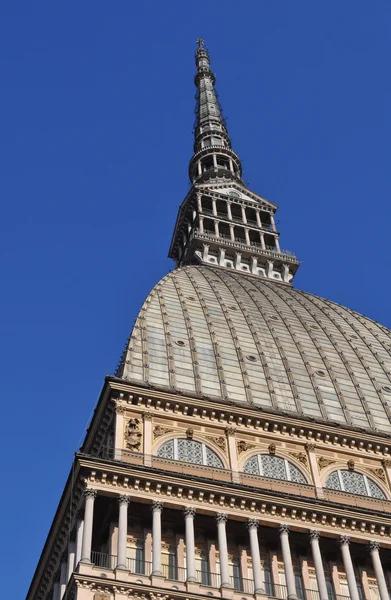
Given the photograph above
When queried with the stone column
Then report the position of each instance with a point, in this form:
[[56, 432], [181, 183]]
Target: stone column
[[119, 429], [221, 519], [344, 542], [287, 559], [123, 502], [199, 203], [277, 243], [56, 589], [201, 225], [252, 526], [272, 222], [377, 567], [71, 557], [214, 160], [229, 212], [214, 207], [205, 252], [247, 236], [63, 575], [221, 256], [157, 508], [262, 240], [244, 216], [231, 165], [90, 496], [320, 577], [232, 232], [258, 217], [217, 231], [199, 167], [189, 513], [79, 538], [254, 264]]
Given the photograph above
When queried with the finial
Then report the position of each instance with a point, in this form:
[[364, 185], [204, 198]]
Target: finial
[[201, 42]]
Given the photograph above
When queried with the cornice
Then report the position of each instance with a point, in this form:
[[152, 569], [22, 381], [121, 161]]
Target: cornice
[[250, 419]]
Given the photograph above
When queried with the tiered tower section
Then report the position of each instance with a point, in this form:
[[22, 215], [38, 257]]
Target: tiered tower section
[[221, 222]]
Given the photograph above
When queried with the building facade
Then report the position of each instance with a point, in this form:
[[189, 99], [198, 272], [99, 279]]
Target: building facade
[[243, 447]]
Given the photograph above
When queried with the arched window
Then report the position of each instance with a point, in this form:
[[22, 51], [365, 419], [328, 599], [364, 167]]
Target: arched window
[[274, 467], [190, 451], [354, 483]]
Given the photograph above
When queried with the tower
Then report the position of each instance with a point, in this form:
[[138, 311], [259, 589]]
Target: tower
[[242, 449]]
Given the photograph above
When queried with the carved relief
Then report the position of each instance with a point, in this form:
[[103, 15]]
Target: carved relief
[[351, 465], [230, 430], [386, 462], [272, 449], [243, 446], [301, 457], [133, 435], [379, 473], [101, 596], [189, 434], [159, 430], [324, 462], [220, 441]]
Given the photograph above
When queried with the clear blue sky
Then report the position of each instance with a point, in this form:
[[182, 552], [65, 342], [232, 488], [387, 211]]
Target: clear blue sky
[[96, 119]]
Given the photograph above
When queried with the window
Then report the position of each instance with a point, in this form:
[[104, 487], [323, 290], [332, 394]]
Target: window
[[274, 467], [190, 451], [354, 483]]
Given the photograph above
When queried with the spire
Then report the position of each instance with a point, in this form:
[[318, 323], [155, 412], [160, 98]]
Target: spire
[[213, 156], [221, 222]]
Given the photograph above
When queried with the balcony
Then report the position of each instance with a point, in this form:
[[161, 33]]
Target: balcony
[[206, 578]]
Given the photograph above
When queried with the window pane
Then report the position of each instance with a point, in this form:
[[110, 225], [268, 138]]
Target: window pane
[[375, 490], [274, 467], [252, 466], [333, 482], [353, 483], [167, 450], [296, 475]]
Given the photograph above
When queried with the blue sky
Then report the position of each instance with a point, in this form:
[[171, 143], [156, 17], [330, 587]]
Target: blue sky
[[96, 133]]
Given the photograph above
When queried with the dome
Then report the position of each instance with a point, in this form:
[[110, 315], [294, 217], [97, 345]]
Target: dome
[[215, 333]]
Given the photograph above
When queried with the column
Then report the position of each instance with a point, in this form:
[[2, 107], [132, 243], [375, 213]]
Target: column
[[56, 589], [252, 526], [258, 217], [189, 513], [231, 165], [344, 542], [119, 430], [79, 538], [205, 252], [71, 557], [217, 232], [199, 203], [199, 167], [214, 208], [320, 577], [247, 236], [63, 575], [244, 216], [123, 502], [254, 264], [277, 243], [377, 567], [157, 508], [262, 240], [272, 222], [201, 225], [147, 438], [229, 212], [287, 559], [90, 496], [221, 519], [214, 161], [221, 257], [232, 232]]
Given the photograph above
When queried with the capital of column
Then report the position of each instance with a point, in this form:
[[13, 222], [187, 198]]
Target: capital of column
[[124, 499], [252, 524], [310, 447], [230, 430], [157, 506], [221, 518], [314, 534], [189, 511], [374, 546], [344, 540], [147, 416], [283, 528], [89, 493]]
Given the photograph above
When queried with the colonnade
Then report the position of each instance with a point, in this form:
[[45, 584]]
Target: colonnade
[[80, 548]]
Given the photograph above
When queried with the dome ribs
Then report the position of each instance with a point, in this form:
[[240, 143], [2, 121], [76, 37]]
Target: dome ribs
[[327, 364], [233, 332], [209, 321], [341, 352], [167, 337], [284, 359], [190, 334], [361, 357]]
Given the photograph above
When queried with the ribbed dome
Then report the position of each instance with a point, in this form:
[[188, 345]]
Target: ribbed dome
[[221, 334]]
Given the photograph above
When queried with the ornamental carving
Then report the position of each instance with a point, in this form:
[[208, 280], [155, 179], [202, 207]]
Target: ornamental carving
[[310, 447], [189, 434], [301, 457], [374, 546], [133, 435], [147, 416], [159, 430], [119, 407], [230, 430], [351, 465], [314, 534], [324, 462], [379, 473], [220, 441], [101, 596], [221, 518], [243, 446], [272, 449], [386, 462]]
